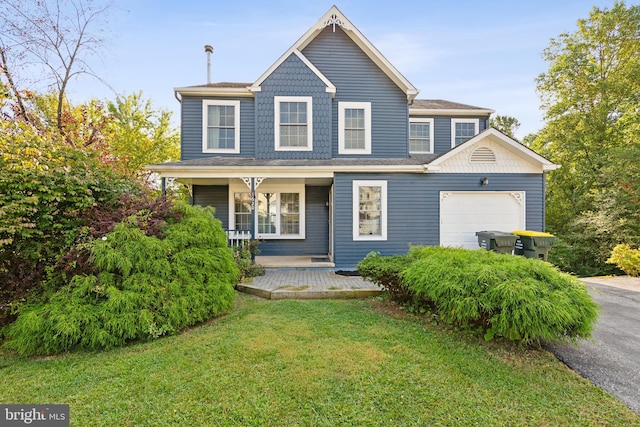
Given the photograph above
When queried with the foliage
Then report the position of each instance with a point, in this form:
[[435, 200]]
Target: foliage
[[244, 257], [520, 299], [386, 272], [315, 363], [143, 287], [592, 114], [140, 135], [626, 259], [45, 187], [505, 124]]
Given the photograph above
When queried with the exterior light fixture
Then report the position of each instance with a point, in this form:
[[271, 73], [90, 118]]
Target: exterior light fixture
[[484, 181]]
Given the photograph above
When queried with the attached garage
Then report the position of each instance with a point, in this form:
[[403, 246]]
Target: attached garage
[[463, 213]]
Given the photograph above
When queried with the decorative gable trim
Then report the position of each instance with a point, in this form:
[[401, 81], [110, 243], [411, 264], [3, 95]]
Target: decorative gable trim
[[476, 152], [334, 17]]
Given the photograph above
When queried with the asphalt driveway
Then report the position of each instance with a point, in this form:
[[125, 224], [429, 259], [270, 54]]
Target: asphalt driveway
[[611, 360]]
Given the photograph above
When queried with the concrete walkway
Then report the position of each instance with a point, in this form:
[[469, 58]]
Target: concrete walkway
[[308, 284]]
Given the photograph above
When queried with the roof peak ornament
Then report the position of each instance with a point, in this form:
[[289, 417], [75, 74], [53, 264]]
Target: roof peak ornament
[[335, 20]]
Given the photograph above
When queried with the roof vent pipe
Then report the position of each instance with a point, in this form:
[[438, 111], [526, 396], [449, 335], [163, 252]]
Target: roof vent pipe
[[209, 50]]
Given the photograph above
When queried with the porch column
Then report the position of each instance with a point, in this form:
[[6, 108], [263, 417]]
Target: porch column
[[253, 183]]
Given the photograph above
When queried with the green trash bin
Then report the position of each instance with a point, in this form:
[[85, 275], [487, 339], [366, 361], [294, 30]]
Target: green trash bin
[[533, 244], [497, 241]]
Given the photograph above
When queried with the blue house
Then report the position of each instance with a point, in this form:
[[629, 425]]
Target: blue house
[[330, 153]]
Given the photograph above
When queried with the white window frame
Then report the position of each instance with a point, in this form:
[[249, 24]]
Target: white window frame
[[342, 106], [276, 121], [271, 188], [431, 133], [356, 210], [476, 124], [205, 125]]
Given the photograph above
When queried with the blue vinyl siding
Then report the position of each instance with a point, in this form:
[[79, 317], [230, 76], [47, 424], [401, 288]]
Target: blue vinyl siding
[[442, 132], [191, 129], [316, 225], [358, 79], [293, 78], [216, 196], [413, 209]]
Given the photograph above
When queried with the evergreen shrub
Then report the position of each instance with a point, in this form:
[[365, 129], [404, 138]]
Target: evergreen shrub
[[520, 299], [386, 272], [143, 287], [626, 259]]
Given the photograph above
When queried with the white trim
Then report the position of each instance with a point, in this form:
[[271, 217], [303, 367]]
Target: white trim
[[366, 106], [476, 124], [500, 138], [431, 133], [358, 38], [213, 91], [356, 210], [239, 187], [206, 103], [276, 121]]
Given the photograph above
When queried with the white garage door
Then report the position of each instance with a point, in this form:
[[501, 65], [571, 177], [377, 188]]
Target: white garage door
[[464, 213]]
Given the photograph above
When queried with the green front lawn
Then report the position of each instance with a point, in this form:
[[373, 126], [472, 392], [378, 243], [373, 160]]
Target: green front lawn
[[328, 362]]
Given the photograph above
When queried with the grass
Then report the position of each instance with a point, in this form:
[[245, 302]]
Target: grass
[[327, 362]]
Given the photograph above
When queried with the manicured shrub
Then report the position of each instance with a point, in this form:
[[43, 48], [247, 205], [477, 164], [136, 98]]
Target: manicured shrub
[[143, 287], [626, 259], [521, 299], [386, 272]]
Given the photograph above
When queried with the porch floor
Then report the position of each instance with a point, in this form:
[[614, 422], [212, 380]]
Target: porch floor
[[304, 283]]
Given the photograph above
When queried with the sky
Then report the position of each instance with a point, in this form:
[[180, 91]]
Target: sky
[[482, 53]]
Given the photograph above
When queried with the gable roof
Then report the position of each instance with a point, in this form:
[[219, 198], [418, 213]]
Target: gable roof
[[497, 137], [335, 17], [441, 107]]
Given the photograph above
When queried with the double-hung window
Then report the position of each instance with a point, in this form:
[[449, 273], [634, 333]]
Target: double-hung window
[[369, 210], [463, 130], [293, 123], [354, 128], [220, 126], [420, 136]]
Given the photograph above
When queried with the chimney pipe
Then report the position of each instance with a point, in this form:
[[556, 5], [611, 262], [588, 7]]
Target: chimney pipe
[[209, 50]]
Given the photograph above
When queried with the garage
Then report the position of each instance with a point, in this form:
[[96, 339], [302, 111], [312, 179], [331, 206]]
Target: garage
[[464, 213]]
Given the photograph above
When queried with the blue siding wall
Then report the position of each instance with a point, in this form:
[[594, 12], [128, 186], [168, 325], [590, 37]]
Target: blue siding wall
[[293, 78], [216, 196], [191, 129], [358, 79], [316, 225], [442, 132], [413, 209]]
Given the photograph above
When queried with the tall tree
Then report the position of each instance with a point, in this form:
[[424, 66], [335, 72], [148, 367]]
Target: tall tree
[[51, 38], [590, 96], [505, 124]]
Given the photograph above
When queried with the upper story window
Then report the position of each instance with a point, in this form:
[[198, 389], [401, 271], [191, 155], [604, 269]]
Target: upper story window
[[220, 126], [354, 128], [463, 130], [293, 123], [420, 136]]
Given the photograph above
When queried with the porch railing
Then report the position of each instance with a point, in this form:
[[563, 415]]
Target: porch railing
[[237, 238]]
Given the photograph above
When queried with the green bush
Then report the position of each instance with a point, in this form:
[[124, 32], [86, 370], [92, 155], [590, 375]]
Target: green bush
[[521, 299], [144, 287], [626, 259], [386, 272]]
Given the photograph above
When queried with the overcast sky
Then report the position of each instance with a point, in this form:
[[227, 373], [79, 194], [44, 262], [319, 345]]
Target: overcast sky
[[483, 53]]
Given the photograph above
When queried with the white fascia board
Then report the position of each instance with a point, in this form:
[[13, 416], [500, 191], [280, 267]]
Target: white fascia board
[[495, 135], [214, 91], [450, 112], [276, 172]]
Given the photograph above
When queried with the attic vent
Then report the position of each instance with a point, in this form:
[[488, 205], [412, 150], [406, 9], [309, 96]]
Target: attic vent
[[482, 155]]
